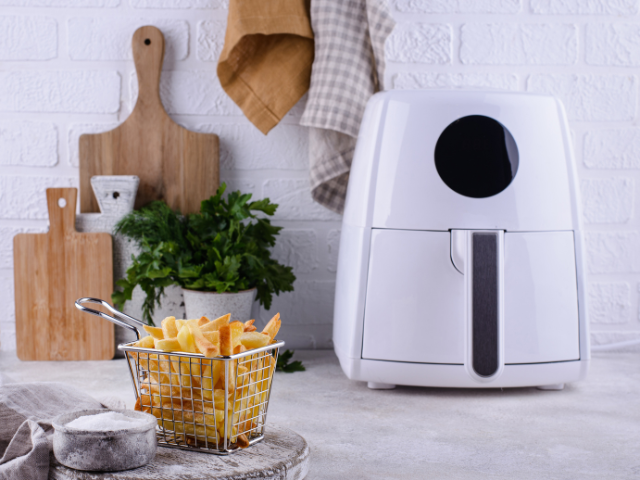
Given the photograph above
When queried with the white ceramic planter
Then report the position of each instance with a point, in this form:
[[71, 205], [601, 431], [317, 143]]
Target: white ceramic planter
[[213, 305]]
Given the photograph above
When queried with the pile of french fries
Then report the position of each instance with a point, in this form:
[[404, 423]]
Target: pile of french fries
[[187, 394]]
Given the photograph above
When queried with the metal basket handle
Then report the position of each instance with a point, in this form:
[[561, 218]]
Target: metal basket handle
[[118, 313]]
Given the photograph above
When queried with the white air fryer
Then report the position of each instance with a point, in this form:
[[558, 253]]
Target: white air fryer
[[461, 256]]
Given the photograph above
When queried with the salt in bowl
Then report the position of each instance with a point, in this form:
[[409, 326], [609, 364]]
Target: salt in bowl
[[105, 450]]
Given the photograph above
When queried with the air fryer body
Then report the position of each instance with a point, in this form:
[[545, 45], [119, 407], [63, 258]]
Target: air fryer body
[[460, 258]]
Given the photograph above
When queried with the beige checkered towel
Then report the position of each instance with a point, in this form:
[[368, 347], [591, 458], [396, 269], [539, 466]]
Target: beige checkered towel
[[348, 68]]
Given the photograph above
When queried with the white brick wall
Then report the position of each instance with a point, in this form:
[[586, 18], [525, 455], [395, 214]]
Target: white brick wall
[[513, 44], [458, 6], [608, 200], [589, 97], [28, 38], [610, 302], [196, 92], [420, 43], [67, 70], [29, 144], [110, 39], [585, 7], [70, 91]]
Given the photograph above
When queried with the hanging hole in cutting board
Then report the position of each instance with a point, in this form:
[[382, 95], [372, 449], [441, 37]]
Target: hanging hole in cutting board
[[116, 194], [147, 42], [62, 202]]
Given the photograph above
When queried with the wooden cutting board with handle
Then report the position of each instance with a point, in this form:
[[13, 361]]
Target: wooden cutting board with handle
[[174, 164], [51, 271]]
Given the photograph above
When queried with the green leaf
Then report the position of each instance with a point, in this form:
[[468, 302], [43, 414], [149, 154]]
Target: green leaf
[[225, 247], [283, 365]]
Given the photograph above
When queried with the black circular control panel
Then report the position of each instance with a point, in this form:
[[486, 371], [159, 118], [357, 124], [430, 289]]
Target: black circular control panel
[[476, 156]]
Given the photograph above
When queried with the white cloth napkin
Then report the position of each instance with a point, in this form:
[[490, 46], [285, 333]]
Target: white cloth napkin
[[347, 69]]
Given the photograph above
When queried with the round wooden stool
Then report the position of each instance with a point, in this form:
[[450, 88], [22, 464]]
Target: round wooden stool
[[283, 454]]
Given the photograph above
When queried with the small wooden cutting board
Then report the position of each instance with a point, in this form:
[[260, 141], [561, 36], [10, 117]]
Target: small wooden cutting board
[[51, 271], [174, 164]]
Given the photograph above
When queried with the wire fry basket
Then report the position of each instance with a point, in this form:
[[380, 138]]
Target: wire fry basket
[[214, 405]]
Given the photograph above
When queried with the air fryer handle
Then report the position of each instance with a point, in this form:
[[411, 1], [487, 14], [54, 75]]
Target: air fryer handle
[[479, 256]]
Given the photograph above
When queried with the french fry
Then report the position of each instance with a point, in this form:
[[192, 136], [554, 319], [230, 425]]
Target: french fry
[[169, 328], [230, 337], [203, 320], [250, 329], [168, 345], [213, 337], [155, 332], [272, 327], [243, 441], [210, 377], [254, 340], [231, 380], [184, 369], [180, 324], [248, 323], [223, 320], [146, 342], [239, 349], [218, 398], [207, 348], [161, 371], [186, 340]]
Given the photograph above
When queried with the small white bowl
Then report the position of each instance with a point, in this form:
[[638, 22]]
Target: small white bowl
[[106, 451]]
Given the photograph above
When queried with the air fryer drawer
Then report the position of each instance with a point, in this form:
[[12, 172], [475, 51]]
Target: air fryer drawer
[[414, 309], [540, 298]]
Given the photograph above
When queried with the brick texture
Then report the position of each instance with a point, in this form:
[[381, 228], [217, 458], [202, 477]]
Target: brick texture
[[420, 43], [244, 147], [458, 6], [608, 200], [110, 39], [297, 249], [607, 337], [173, 4], [79, 91], [310, 303], [589, 97], [609, 303], [191, 93], [512, 44], [585, 7], [210, 39], [294, 198], [28, 38], [613, 44], [60, 3], [613, 252], [411, 80], [612, 149], [29, 144], [24, 197]]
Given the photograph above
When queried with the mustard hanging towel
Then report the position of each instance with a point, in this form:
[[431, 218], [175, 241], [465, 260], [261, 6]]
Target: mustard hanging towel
[[265, 65]]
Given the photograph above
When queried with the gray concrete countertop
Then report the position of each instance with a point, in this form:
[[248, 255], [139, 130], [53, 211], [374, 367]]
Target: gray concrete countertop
[[590, 430]]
